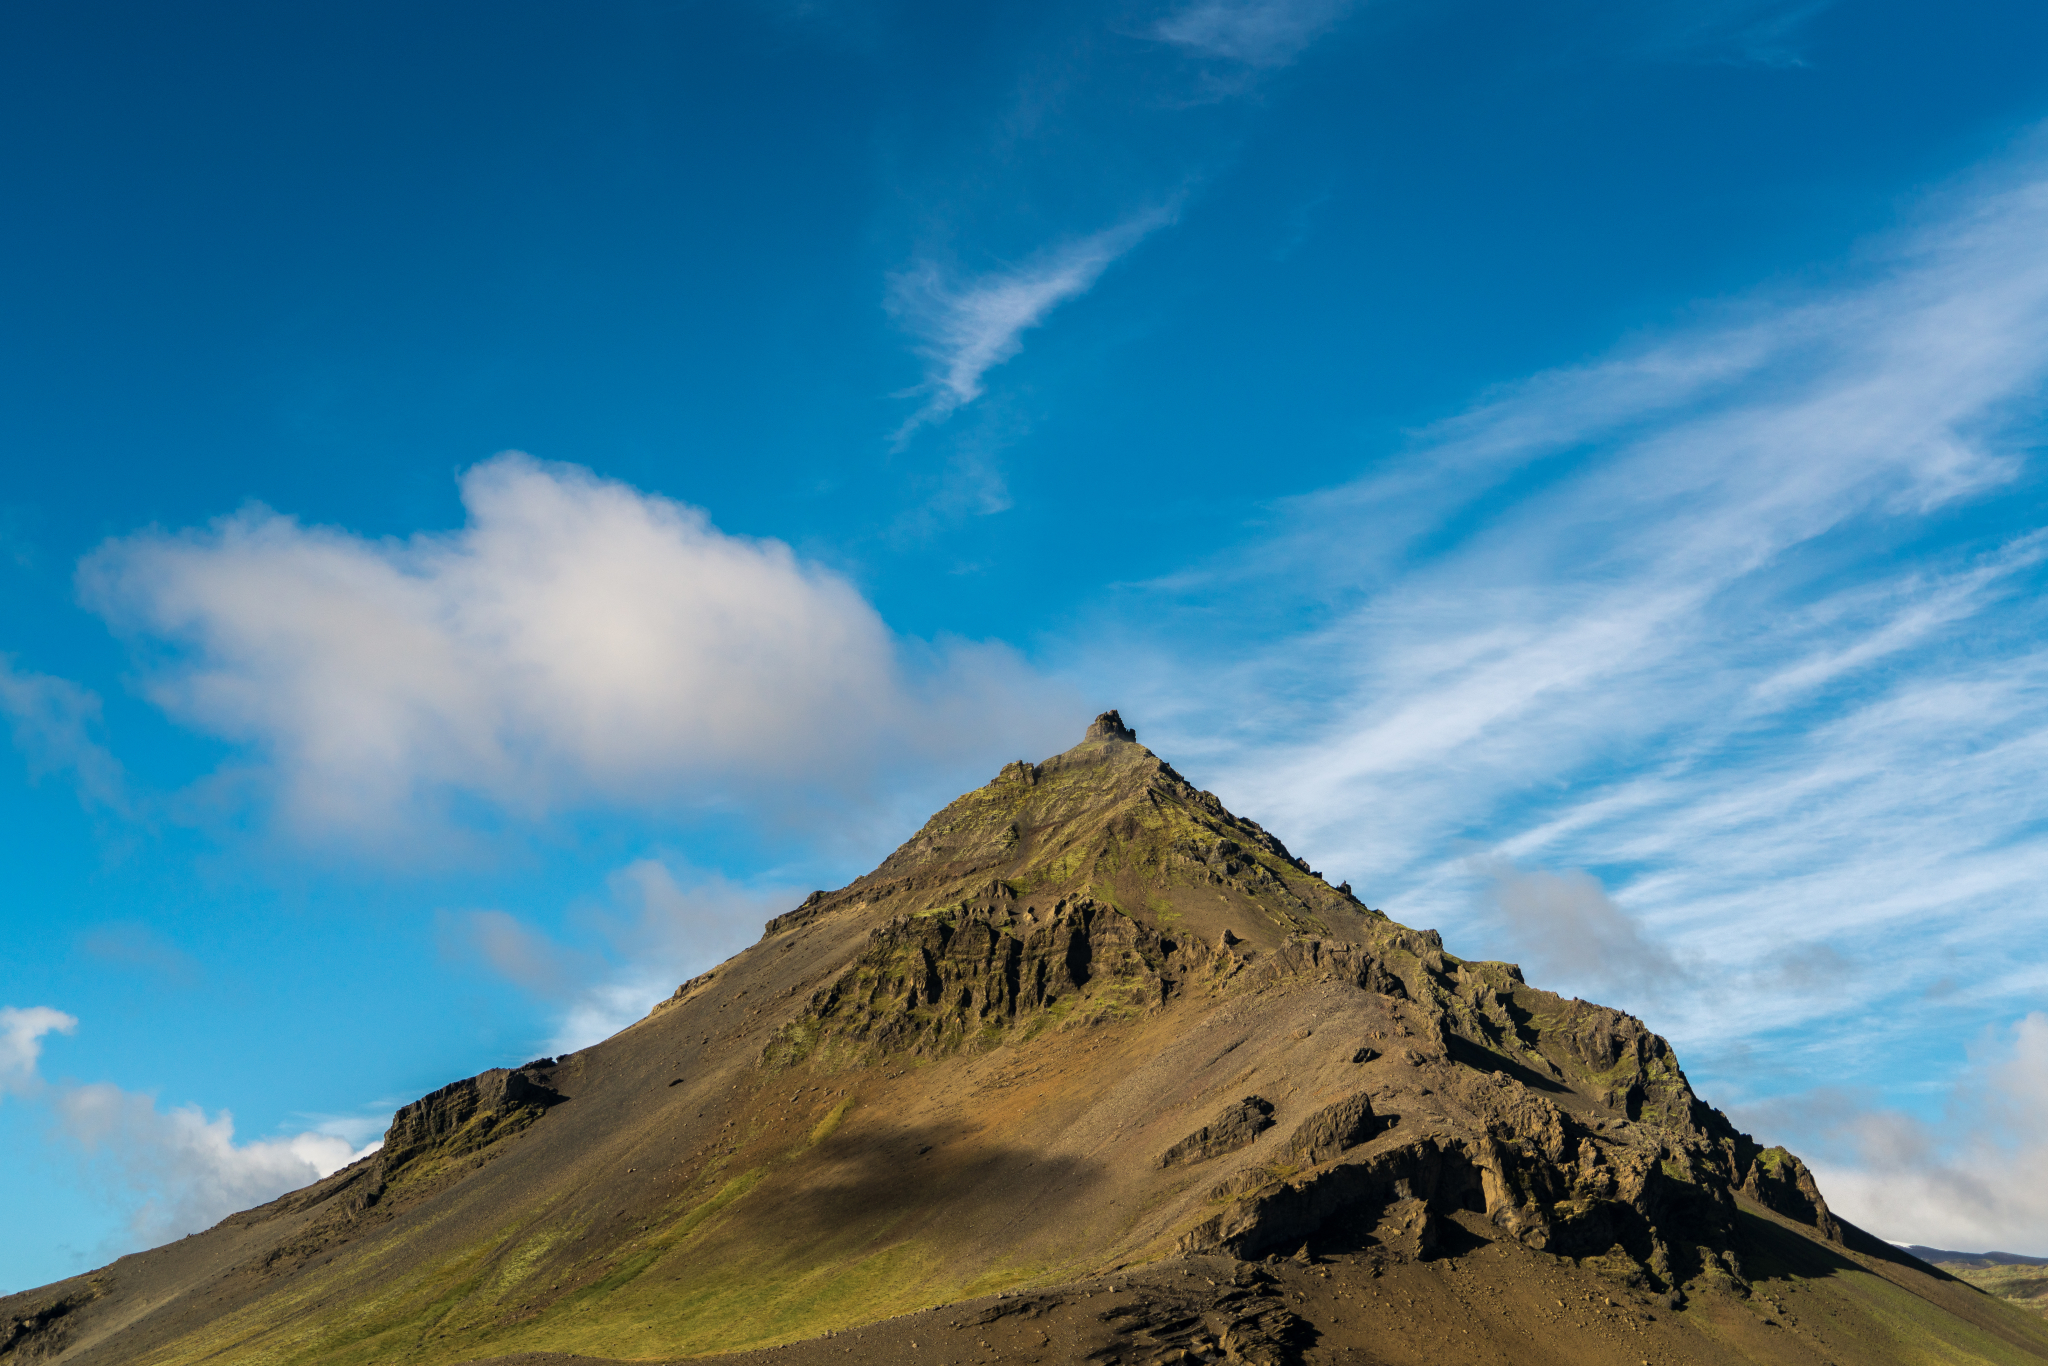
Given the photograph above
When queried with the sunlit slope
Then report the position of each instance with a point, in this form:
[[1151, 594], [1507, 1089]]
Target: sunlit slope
[[1085, 1019]]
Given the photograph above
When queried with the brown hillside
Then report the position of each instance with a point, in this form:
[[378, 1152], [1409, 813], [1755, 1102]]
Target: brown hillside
[[1089, 1069]]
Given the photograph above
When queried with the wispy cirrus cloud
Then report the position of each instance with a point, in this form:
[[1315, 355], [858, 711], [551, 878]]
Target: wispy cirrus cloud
[[967, 327], [1258, 33], [1770, 33], [1645, 624]]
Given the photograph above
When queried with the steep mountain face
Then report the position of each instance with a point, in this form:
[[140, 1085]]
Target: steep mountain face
[[1087, 1033]]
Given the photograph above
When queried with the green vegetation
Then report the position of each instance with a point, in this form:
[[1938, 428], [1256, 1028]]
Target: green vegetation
[[2024, 1286]]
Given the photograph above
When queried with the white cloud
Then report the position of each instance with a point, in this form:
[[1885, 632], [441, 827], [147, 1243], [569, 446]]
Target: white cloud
[[575, 641], [52, 720], [967, 328], [175, 1172], [1975, 1181], [21, 1044], [179, 1172], [363, 1130], [1260, 33], [656, 932], [1727, 645]]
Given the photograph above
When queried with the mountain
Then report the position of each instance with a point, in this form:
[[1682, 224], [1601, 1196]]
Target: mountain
[[1089, 1069]]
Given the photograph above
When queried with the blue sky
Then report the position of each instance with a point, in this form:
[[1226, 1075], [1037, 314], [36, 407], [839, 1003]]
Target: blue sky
[[500, 500]]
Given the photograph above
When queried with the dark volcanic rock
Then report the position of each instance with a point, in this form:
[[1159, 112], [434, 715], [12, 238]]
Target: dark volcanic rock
[[1332, 1129], [1780, 1182], [39, 1331], [1109, 726], [965, 975], [1236, 1126], [1354, 964], [466, 1115]]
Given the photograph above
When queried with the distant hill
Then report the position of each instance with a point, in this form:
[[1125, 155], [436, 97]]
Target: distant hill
[[1089, 1070], [1982, 1259], [2009, 1276]]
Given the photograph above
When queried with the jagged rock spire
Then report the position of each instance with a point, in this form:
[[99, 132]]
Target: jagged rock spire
[[1109, 726]]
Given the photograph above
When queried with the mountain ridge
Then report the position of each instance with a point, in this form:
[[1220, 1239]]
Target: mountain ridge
[[1085, 1022]]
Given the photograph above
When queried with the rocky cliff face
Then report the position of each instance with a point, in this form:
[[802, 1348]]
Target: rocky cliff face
[[969, 974], [465, 1116], [1086, 1023]]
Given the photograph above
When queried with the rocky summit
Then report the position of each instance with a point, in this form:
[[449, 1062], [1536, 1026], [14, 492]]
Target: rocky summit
[[1090, 1069]]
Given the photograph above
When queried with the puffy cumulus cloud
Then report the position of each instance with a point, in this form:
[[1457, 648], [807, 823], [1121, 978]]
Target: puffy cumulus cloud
[[1975, 1181], [576, 640], [179, 1171], [21, 1043], [655, 930]]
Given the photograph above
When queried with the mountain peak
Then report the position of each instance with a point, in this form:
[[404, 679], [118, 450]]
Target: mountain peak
[[1109, 726], [1109, 821]]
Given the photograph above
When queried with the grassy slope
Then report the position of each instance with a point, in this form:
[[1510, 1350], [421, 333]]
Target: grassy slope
[[2024, 1286]]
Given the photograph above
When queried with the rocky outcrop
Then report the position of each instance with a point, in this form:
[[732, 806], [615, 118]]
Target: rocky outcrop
[[42, 1330], [464, 1116], [1637, 1070], [425, 1140], [1331, 1130], [968, 974], [788, 920], [1341, 1201], [1659, 1199], [1781, 1183], [1310, 957], [1109, 726], [1650, 1177], [1232, 1129]]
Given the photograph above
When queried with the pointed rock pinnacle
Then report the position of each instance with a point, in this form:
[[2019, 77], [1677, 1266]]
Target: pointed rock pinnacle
[[1109, 726]]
